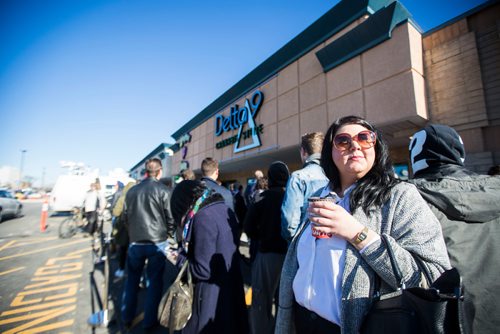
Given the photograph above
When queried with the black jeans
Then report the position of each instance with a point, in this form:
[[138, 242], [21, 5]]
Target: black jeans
[[91, 221], [308, 322]]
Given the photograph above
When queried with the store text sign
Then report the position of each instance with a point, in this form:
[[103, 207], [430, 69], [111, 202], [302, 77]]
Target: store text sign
[[237, 119], [183, 141]]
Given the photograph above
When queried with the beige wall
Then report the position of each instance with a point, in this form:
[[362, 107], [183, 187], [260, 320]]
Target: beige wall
[[462, 66], [451, 76], [302, 98]]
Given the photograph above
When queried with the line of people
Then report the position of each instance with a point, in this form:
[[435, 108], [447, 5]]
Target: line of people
[[314, 263]]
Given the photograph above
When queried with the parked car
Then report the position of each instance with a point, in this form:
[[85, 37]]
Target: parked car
[[19, 195], [9, 205]]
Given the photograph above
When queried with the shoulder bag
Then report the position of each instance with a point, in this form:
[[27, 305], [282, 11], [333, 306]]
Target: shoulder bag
[[176, 306], [437, 309]]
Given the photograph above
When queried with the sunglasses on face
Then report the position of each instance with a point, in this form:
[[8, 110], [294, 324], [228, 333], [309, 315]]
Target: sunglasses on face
[[365, 139]]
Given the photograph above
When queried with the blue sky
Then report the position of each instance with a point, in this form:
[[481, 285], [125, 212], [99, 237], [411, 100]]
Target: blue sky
[[105, 82]]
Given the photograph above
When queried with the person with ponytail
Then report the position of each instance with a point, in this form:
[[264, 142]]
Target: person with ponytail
[[210, 240]]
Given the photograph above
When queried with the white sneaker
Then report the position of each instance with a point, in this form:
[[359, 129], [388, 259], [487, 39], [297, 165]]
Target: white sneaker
[[119, 273]]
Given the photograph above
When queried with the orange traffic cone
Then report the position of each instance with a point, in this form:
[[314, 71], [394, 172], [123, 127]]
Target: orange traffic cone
[[45, 213]]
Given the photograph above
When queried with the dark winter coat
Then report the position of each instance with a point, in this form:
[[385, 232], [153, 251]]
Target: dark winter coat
[[263, 219], [468, 208], [147, 212], [219, 304]]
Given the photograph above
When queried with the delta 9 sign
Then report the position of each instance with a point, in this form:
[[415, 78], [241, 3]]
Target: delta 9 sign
[[237, 119]]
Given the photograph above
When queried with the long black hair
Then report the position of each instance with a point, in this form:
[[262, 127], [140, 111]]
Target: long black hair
[[374, 188], [185, 195]]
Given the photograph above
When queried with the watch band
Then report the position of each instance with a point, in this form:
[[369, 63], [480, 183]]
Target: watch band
[[361, 236]]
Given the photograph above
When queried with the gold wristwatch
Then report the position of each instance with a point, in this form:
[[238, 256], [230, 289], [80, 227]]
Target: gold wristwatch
[[361, 236]]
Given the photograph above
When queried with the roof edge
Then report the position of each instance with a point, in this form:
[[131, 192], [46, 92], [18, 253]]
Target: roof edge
[[336, 19], [158, 149]]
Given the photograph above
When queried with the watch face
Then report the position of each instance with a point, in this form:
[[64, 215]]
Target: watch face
[[362, 235]]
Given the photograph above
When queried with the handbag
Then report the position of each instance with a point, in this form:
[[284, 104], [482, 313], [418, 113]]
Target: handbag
[[176, 306], [437, 309]]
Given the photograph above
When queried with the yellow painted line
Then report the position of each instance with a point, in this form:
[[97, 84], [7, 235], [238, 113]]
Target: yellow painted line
[[35, 241], [40, 317], [71, 290], [46, 328], [50, 280], [38, 307], [36, 315], [43, 249], [248, 297], [11, 270], [87, 249], [7, 245]]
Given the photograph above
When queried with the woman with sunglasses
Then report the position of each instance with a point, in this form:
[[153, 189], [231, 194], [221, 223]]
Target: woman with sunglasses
[[328, 276]]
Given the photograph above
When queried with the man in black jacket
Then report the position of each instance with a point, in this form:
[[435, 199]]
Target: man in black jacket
[[467, 206], [210, 171], [150, 223]]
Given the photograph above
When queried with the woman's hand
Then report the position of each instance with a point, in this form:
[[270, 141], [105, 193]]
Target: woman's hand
[[330, 218]]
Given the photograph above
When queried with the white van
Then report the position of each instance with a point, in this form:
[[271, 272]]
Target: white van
[[69, 191]]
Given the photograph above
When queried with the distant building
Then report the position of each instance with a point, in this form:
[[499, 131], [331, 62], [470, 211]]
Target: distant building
[[162, 152]]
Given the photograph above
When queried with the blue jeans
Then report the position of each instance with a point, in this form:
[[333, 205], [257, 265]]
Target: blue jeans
[[136, 258]]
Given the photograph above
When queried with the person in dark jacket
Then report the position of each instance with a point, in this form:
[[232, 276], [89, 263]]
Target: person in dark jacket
[[467, 206], [211, 232], [149, 222], [263, 224], [210, 171], [240, 208]]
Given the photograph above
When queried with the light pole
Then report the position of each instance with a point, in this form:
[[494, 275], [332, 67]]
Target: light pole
[[43, 179], [21, 169]]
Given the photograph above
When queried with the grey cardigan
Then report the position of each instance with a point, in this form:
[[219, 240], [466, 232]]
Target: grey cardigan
[[416, 237]]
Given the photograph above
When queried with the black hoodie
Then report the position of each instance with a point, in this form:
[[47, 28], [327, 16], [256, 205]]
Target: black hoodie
[[263, 219], [468, 208]]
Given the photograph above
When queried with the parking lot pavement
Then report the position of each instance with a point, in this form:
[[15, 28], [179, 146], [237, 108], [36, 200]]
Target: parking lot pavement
[[116, 290], [52, 285]]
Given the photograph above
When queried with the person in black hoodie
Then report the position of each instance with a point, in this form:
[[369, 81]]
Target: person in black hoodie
[[263, 223], [467, 206]]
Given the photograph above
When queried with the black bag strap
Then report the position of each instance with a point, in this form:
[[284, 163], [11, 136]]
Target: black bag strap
[[449, 284], [395, 268]]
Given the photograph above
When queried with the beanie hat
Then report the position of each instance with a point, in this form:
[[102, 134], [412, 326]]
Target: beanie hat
[[436, 145], [120, 185], [278, 174]]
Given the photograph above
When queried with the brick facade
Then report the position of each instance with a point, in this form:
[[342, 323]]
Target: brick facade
[[462, 75]]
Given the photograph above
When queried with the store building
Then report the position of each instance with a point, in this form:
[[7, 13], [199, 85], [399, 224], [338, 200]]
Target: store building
[[366, 58], [162, 152]]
